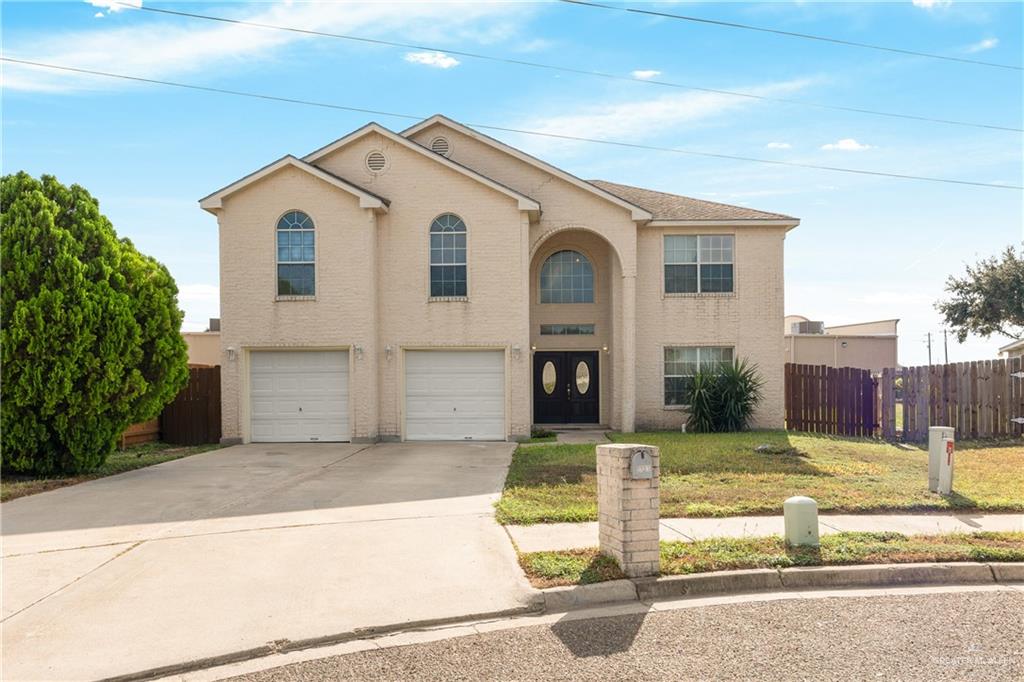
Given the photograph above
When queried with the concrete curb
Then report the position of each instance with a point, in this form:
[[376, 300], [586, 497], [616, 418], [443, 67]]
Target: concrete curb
[[772, 580], [536, 606], [558, 599]]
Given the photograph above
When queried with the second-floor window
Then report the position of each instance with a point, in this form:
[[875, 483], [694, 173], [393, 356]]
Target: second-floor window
[[698, 264], [447, 256], [296, 254], [566, 277]]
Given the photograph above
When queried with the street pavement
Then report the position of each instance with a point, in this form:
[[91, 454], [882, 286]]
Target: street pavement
[[964, 634], [236, 548]]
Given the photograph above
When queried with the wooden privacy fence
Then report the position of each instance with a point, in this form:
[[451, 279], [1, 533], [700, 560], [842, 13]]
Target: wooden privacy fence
[[978, 399], [193, 417], [836, 400]]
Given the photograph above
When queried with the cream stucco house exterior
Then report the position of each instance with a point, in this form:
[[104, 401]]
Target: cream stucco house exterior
[[438, 284]]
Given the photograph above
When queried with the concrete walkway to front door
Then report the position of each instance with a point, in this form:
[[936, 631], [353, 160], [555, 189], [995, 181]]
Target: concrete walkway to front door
[[236, 548]]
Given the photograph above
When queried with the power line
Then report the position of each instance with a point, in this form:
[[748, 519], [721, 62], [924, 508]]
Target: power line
[[520, 131], [791, 34], [568, 69]]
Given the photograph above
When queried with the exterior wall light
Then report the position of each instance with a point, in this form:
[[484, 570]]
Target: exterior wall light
[[387, 351], [359, 352], [533, 347], [516, 352], [605, 348], [231, 353]]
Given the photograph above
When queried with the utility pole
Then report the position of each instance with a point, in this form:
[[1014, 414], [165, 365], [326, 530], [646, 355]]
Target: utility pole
[[929, 349], [945, 346]]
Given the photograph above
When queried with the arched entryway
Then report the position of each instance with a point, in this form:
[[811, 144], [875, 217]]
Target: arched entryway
[[574, 277]]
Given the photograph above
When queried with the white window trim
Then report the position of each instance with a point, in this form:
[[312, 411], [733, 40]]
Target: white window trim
[[699, 263], [430, 264], [316, 255], [666, 375]]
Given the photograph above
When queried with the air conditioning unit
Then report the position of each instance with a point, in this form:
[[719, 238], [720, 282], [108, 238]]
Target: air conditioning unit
[[808, 327]]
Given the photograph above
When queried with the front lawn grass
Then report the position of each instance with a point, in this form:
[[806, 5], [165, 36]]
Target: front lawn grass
[[723, 475], [134, 457], [584, 566]]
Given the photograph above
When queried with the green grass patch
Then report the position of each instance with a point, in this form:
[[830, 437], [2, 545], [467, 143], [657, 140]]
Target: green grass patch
[[580, 567], [571, 567], [134, 457], [724, 475]]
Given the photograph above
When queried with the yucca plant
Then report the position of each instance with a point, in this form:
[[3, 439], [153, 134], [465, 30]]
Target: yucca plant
[[723, 397], [739, 386], [703, 396]]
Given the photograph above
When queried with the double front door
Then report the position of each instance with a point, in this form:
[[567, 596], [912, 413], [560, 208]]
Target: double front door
[[565, 389]]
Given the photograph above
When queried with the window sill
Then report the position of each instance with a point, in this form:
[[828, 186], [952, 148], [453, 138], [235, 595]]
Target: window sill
[[676, 408], [709, 294], [295, 298], [442, 299]]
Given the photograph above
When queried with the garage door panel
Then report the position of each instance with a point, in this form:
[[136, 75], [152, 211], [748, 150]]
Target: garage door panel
[[299, 396], [455, 395]]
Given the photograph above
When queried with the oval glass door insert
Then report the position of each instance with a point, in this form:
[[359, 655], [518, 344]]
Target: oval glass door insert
[[582, 377], [548, 378]]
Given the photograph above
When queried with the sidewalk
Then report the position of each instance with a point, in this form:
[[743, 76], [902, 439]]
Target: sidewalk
[[555, 536]]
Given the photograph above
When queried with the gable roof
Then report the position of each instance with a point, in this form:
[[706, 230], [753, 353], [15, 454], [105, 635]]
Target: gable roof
[[676, 208], [525, 203], [636, 211], [367, 199]]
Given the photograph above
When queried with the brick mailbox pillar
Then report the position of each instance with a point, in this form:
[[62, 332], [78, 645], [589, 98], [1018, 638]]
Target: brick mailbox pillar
[[627, 506]]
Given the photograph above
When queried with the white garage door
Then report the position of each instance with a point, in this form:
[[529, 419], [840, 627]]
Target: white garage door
[[299, 396], [455, 395]]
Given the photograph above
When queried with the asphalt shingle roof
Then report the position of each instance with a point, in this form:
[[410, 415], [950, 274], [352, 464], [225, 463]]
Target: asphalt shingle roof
[[664, 206]]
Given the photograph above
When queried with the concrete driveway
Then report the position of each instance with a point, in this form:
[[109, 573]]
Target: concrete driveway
[[235, 548]]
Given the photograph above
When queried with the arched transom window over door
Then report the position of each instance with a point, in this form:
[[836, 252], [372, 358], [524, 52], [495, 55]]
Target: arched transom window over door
[[567, 277], [296, 251], [447, 256]]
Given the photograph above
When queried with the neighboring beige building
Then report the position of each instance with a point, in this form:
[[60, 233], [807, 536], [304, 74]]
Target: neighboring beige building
[[203, 347], [1014, 349], [867, 345], [438, 284]]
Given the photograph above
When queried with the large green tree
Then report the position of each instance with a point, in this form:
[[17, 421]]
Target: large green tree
[[89, 329], [988, 299]]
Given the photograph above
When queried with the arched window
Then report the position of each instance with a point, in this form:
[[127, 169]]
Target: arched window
[[447, 256], [296, 251], [566, 277]]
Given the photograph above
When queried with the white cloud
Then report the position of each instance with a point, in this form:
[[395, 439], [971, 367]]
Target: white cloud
[[98, 15], [114, 5], [932, 4], [640, 120], [151, 47], [438, 60], [200, 302], [847, 144], [645, 74], [778, 145], [982, 45]]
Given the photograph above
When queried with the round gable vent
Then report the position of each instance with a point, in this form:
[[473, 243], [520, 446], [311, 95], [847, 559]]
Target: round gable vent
[[441, 145], [376, 162]]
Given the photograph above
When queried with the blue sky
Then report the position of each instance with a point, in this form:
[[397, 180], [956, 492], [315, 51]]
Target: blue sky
[[868, 248]]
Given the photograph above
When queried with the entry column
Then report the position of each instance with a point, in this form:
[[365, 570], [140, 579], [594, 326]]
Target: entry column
[[628, 353]]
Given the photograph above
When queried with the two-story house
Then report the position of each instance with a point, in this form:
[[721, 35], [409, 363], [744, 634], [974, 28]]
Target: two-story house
[[437, 284]]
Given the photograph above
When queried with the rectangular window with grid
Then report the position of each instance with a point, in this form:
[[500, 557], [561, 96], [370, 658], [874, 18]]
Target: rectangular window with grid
[[682, 362], [698, 264], [567, 330]]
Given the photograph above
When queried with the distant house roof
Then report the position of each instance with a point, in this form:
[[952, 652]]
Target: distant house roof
[[664, 206], [1013, 345]]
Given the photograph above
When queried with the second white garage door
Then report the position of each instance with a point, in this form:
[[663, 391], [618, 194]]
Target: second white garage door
[[299, 396], [455, 395]]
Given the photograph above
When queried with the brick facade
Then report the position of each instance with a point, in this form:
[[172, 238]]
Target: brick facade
[[372, 283]]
